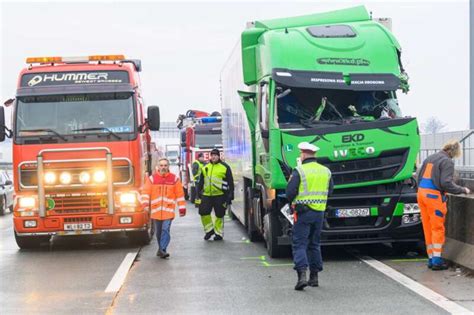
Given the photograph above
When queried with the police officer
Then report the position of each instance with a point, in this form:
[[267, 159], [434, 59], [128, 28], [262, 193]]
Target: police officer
[[434, 181], [307, 191], [216, 190], [196, 172]]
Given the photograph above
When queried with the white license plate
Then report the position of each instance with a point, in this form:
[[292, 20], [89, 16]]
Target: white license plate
[[352, 213], [77, 226]]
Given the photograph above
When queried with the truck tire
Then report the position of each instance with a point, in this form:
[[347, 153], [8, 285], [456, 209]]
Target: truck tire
[[271, 231], [142, 238], [31, 242], [252, 230]]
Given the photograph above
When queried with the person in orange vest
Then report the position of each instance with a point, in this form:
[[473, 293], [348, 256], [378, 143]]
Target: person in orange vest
[[435, 179], [162, 192]]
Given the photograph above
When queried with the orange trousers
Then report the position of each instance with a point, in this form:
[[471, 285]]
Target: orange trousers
[[433, 214]]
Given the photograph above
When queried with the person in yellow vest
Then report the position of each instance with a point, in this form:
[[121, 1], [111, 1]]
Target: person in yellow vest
[[162, 193], [196, 172], [307, 191], [216, 191]]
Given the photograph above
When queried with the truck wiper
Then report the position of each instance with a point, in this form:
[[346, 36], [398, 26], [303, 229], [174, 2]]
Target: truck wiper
[[99, 129], [45, 130], [312, 123]]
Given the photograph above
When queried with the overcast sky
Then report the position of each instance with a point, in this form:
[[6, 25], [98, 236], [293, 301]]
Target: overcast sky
[[183, 46]]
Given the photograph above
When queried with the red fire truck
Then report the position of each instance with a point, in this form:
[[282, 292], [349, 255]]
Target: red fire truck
[[81, 148], [200, 133]]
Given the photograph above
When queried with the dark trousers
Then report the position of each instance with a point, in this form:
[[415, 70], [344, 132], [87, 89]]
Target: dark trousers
[[307, 241]]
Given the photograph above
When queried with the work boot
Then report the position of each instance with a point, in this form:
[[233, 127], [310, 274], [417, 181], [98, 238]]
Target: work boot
[[439, 264], [218, 238], [430, 263], [208, 235], [313, 279], [302, 283], [165, 255], [160, 253]]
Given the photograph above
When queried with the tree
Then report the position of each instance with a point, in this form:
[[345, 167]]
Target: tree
[[433, 125]]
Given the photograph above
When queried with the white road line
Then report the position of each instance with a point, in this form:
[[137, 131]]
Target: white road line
[[416, 287], [119, 277]]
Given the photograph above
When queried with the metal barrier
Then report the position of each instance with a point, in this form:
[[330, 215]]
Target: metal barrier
[[467, 159]]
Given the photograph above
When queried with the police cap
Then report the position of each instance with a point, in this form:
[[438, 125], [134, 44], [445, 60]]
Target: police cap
[[306, 146]]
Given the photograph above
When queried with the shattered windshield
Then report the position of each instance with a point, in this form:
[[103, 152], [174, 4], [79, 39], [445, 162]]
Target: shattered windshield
[[310, 108]]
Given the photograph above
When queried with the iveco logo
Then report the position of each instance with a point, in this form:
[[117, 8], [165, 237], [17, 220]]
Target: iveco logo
[[35, 80], [357, 137]]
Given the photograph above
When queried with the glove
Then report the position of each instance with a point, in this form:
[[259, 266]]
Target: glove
[[182, 212], [467, 190]]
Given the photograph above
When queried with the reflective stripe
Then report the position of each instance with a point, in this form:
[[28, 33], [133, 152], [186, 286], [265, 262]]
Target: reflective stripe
[[180, 199], [437, 254], [314, 193], [429, 246], [437, 246], [309, 201], [162, 209], [430, 255], [159, 199]]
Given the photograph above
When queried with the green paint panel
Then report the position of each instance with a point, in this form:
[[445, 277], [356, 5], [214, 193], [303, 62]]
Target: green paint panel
[[374, 211], [398, 210]]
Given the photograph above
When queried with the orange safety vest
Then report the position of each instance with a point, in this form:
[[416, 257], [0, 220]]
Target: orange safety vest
[[162, 193]]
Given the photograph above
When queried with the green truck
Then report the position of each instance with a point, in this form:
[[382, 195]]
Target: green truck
[[330, 79]]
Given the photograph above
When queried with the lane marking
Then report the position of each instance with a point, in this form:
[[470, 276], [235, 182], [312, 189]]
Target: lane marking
[[416, 287], [119, 277], [266, 264], [252, 258]]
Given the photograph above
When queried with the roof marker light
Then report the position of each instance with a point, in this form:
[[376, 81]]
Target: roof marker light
[[283, 74]]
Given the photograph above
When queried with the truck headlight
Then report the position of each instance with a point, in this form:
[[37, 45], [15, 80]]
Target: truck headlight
[[411, 208], [84, 177], [99, 176], [49, 178], [27, 202], [65, 178], [30, 223], [128, 199]]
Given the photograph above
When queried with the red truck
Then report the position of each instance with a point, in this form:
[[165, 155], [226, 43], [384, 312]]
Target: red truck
[[200, 133], [81, 148]]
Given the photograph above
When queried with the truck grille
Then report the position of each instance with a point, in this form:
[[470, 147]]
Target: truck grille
[[385, 166], [77, 204]]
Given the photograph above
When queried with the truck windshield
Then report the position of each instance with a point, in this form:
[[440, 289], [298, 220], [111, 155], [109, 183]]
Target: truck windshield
[[311, 108], [208, 140], [79, 114]]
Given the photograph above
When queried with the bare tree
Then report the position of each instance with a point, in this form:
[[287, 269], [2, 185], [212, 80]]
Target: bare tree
[[433, 125]]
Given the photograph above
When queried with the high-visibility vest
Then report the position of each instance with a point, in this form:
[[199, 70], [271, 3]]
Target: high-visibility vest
[[162, 193], [214, 179], [314, 185], [198, 174]]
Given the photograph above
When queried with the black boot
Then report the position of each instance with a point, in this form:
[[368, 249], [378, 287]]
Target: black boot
[[302, 283], [208, 235], [313, 279]]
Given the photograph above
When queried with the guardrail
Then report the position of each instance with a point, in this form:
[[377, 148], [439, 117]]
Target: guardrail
[[467, 158]]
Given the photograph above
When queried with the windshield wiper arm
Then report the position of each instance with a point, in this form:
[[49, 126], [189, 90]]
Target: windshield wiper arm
[[45, 130], [99, 129]]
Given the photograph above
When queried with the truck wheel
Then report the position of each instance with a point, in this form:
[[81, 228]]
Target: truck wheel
[[3, 205], [30, 242], [142, 238], [271, 231], [250, 204]]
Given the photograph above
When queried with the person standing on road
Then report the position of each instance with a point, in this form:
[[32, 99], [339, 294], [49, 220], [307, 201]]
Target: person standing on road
[[435, 179], [196, 172], [307, 191], [216, 191], [162, 191]]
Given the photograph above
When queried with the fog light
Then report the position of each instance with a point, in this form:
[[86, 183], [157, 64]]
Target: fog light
[[99, 176], [125, 220], [65, 178], [128, 199], [29, 223], [410, 218], [411, 208], [50, 178], [27, 202], [84, 177]]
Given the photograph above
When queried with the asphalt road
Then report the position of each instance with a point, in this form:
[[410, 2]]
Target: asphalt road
[[234, 276]]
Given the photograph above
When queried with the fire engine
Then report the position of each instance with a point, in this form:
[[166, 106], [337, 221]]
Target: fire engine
[[200, 133], [81, 148]]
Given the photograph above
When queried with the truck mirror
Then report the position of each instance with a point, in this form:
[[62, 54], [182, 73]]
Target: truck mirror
[[246, 96], [2, 124], [153, 118]]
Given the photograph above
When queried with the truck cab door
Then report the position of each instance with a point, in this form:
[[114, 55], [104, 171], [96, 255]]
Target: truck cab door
[[262, 134]]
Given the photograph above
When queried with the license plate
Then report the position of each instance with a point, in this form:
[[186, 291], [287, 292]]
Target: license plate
[[352, 213], [77, 226]]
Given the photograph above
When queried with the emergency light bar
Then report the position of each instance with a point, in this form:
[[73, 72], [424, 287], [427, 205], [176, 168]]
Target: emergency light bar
[[206, 120], [74, 59]]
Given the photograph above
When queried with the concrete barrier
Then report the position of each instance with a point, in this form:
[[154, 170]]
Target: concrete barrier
[[459, 247]]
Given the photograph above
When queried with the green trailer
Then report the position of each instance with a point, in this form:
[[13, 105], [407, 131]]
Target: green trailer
[[330, 79]]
